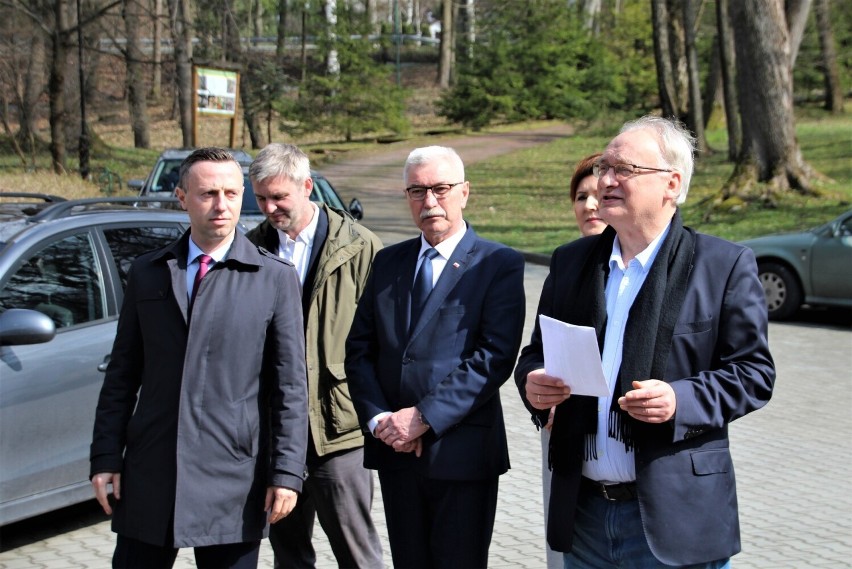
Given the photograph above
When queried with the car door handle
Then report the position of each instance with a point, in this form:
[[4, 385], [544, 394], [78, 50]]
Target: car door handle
[[104, 364]]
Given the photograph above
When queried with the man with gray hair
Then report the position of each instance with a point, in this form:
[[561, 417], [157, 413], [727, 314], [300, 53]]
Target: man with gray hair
[[681, 323], [332, 254], [435, 336]]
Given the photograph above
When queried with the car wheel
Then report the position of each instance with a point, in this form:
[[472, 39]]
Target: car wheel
[[782, 290]]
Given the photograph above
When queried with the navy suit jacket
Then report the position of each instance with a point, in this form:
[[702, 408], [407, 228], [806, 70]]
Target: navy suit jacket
[[720, 369], [453, 363]]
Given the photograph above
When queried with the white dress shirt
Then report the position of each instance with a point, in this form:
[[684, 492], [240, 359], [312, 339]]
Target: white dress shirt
[[298, 250]]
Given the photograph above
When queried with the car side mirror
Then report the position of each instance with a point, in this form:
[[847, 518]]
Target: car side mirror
[[135, 185], [356, 209], [19, 327]]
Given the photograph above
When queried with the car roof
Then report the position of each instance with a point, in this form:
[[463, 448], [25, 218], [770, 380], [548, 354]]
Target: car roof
[[241, 156], [18, 218]]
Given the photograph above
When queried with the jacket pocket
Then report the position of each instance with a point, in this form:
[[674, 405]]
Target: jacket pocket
[[341, 410], [714, 461]]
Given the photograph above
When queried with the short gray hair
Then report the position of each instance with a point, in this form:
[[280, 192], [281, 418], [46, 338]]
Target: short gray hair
[[426, 154], [677, 146], [277, 160]]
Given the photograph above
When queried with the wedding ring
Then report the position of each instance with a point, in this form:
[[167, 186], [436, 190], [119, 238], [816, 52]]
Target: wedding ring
[[538, 398]]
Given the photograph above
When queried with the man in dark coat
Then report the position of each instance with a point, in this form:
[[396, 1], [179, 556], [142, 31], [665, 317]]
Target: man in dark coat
[[681, 323], [201, 425], [425, 366]]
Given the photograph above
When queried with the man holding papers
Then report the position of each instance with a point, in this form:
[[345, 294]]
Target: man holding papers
[[680, 322]]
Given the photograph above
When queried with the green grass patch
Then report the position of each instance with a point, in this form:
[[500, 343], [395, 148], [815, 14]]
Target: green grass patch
[[522, 199]]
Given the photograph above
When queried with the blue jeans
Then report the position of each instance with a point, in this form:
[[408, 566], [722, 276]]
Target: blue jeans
[[609, 535]]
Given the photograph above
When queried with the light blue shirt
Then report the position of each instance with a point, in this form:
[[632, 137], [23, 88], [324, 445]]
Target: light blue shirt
[[614, 464], [193, 263]]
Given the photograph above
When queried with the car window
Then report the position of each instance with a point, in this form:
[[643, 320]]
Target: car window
[[127, 243], [62, 280], [167, 176]]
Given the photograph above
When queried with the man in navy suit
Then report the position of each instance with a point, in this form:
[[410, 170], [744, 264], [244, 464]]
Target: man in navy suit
[[425, 368], [681, 323]]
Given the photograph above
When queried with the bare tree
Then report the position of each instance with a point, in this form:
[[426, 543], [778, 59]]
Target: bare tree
[[157, 51], [665, 73], [695, 117], [180, 20], [281, 42], [447, 50], [770, 154], [797, 21], [831, 71], [34, 84], [134, 59], [729, 74]]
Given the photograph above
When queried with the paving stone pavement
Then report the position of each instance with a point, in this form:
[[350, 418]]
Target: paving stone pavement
[[792, 458]]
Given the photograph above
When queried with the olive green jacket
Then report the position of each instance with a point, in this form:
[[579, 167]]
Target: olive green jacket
[[342, 269]]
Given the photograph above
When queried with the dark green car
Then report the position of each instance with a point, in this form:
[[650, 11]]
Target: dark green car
[[812, 267]]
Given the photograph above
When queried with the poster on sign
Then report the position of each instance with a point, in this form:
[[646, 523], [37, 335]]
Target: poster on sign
[[216, 93]]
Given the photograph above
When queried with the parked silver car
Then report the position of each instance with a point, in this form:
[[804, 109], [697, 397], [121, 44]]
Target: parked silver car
[[63, 269], [812, 267]]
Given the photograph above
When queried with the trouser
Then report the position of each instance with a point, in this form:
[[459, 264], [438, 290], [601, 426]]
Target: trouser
[[438, 524], [610, 534], [134, 554], [338, 492]]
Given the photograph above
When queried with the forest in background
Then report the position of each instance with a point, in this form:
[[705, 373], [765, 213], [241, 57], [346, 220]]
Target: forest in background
[[344, 70]]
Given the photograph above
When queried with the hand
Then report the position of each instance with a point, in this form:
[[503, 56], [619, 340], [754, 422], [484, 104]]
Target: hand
[[415, 446], [545, 391], [100, 483], [279, 502], [651, 401], [403, 426]]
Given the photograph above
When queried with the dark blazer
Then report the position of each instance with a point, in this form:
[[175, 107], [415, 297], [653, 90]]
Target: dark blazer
[[452, 365], [720, 369], [201, 415]]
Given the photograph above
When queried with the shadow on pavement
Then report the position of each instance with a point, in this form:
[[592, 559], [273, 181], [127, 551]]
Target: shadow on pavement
[[823, 317], [32, 530]]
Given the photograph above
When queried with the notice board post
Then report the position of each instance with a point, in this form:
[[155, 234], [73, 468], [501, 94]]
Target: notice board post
[[216, 94]]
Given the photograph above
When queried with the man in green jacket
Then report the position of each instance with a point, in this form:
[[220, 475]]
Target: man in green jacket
[[333, 255]]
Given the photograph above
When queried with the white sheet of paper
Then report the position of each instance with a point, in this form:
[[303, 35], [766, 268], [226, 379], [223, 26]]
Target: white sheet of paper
[[571, 354]]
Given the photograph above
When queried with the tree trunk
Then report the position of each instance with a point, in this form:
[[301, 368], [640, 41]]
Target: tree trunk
[[157, 52], [258, 18], [180, 17], [833, 92], [590, 12], [134, 58], [33, 88], [713, 82], [680, 67], [770, 153], [56, 85], [797, 21], [447, 51], [281, 40], [695, 108], [662, 56], [251, 107], [332, 63], [370, 11], [729, 74]]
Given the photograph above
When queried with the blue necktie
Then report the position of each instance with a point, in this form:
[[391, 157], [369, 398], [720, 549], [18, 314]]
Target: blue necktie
[[422, 286]]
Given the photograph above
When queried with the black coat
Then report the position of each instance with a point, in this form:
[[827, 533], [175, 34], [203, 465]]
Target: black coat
[[222, 397]]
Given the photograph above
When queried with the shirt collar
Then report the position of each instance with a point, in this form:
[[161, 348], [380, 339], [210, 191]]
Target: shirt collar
[[644, 258], [218, 254], [446, 247], [306, 235]]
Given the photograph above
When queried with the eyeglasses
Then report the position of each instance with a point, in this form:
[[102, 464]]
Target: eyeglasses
[[622, 171], [418, 193]]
